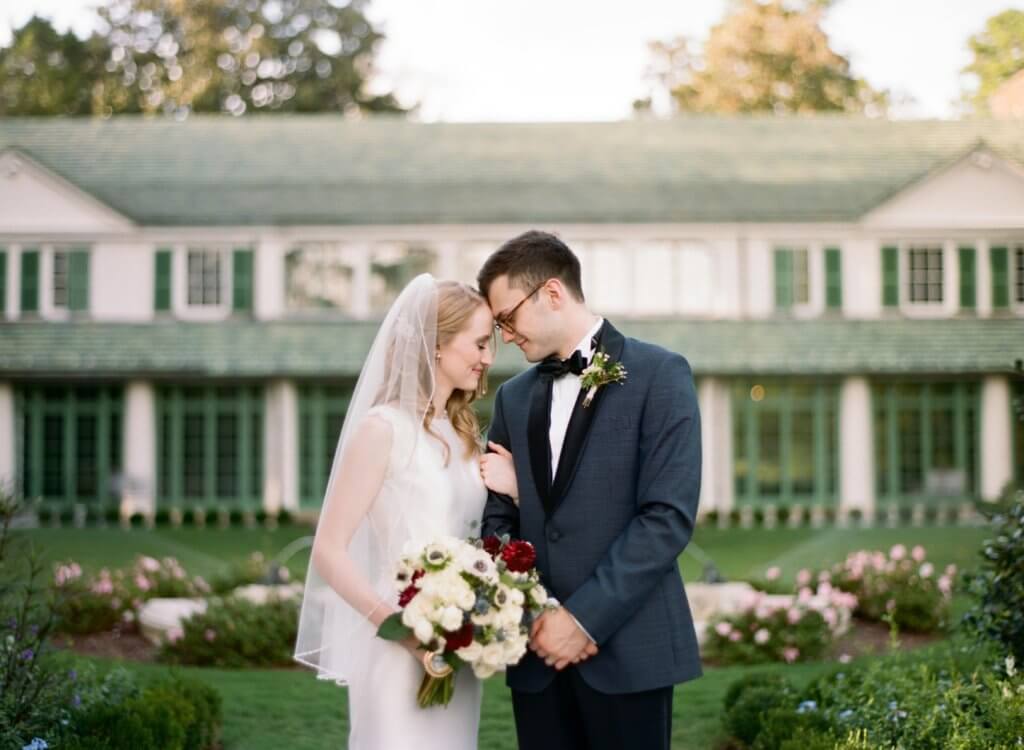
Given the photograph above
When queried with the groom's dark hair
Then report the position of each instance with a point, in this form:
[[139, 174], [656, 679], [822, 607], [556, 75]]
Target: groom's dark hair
[[531, 259]]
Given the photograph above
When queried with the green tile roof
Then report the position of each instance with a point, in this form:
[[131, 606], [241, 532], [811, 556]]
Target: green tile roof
[[321, 169], [337, 349]]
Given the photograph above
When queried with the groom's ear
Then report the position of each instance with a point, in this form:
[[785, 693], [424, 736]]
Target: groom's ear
[[555, 292]]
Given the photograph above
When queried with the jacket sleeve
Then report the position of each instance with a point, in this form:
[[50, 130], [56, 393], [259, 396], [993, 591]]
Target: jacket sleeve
[[501, 514], [668, 488]]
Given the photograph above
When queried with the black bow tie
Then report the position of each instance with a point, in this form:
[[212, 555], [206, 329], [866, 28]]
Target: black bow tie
[[553, 367]]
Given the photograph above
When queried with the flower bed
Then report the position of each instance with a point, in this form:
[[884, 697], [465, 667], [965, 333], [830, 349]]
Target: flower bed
[[901, 586], [781, 628], [92, 603]]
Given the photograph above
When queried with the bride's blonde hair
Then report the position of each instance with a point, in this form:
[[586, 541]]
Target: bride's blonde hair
[[456, 303]]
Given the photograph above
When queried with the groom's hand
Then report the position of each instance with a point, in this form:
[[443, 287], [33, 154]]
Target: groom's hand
[[559, 641]]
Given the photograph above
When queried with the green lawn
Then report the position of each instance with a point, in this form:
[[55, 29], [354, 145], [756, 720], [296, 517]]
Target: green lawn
[[289, 708]]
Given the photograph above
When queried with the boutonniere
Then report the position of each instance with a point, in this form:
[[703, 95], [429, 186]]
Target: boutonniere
[[601, 371]]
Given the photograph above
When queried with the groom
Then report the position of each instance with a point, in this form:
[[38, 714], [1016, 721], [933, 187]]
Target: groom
[[607, 496]]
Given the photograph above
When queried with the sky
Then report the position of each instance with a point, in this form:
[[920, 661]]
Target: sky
[[573, 60]]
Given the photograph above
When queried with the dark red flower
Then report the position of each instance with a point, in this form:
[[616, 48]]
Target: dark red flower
[[492, 546], [456, 639], [406, 596], [411, 590], [519, 556]]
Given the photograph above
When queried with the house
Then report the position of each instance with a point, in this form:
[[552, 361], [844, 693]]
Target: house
[[186, 305]]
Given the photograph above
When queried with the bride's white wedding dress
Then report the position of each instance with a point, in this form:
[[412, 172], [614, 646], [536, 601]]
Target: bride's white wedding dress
[[420, 500]]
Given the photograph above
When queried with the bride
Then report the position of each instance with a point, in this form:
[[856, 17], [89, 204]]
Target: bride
[[406, 469]]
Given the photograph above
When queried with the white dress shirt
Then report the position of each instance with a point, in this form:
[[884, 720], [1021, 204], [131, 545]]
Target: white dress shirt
[[564, 392]]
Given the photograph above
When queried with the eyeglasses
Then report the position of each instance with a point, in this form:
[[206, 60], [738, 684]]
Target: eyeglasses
[[504, 322]]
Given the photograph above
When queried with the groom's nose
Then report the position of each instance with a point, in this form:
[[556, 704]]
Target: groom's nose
[[507, 337]]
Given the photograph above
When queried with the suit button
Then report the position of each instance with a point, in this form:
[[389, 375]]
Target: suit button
[[554, 536]]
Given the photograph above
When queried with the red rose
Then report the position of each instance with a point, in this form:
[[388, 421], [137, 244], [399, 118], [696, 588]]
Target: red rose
[[456, 639], [519, 556], [492, 546]]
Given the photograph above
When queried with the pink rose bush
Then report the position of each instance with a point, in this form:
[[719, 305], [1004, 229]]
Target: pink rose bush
[[901, 584], [109, 599], [781, 628]]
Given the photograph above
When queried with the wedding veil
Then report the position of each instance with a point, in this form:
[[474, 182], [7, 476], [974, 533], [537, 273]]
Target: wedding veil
[[398, 374]]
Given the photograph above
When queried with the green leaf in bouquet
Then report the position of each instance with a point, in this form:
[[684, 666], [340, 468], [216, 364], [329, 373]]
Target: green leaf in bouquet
[[517, 581], [393, 629]]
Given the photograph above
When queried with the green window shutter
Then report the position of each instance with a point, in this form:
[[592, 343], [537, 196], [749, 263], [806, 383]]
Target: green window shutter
[[783, 279], [890, 276], [242, 269], [967, 278], [78, 280], [833, 279], [1000, 277], [30, 280], [3, 283], [162, 281]]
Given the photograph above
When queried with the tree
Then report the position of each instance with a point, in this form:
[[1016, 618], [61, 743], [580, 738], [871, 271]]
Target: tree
[[244, 55], [763, 57], [998, 53], [236, 56], [44, 72]]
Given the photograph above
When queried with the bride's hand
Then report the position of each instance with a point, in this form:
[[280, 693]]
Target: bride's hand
[[411, 645], [498, 472]]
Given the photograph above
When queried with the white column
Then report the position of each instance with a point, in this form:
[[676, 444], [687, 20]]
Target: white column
[[760, 291], [269, 278], [716, 486], [996, 432], [7, 437], [856, 457], [448, 260], [861, 264], [281, 447], [13, 284], [139, 449]]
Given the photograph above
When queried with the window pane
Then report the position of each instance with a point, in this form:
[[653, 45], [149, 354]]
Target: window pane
[[769, 470], [204, 274], [319, 277], [227, 456], [925, 274], [306, 486], [393, 266], [86, 457], [881, 443], [607, 277], [741, 463], [53, 456], [801, 453], [653, 287], [194, 449], [909, 427], [944, 478]]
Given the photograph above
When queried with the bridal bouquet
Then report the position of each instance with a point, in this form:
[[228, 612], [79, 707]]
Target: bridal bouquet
[[466, 602]]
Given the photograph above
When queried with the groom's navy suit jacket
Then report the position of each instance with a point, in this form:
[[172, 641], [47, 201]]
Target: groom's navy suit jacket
[[609, 527]]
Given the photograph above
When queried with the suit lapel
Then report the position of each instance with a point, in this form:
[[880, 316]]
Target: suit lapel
[[538, 427], [611, 341]]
